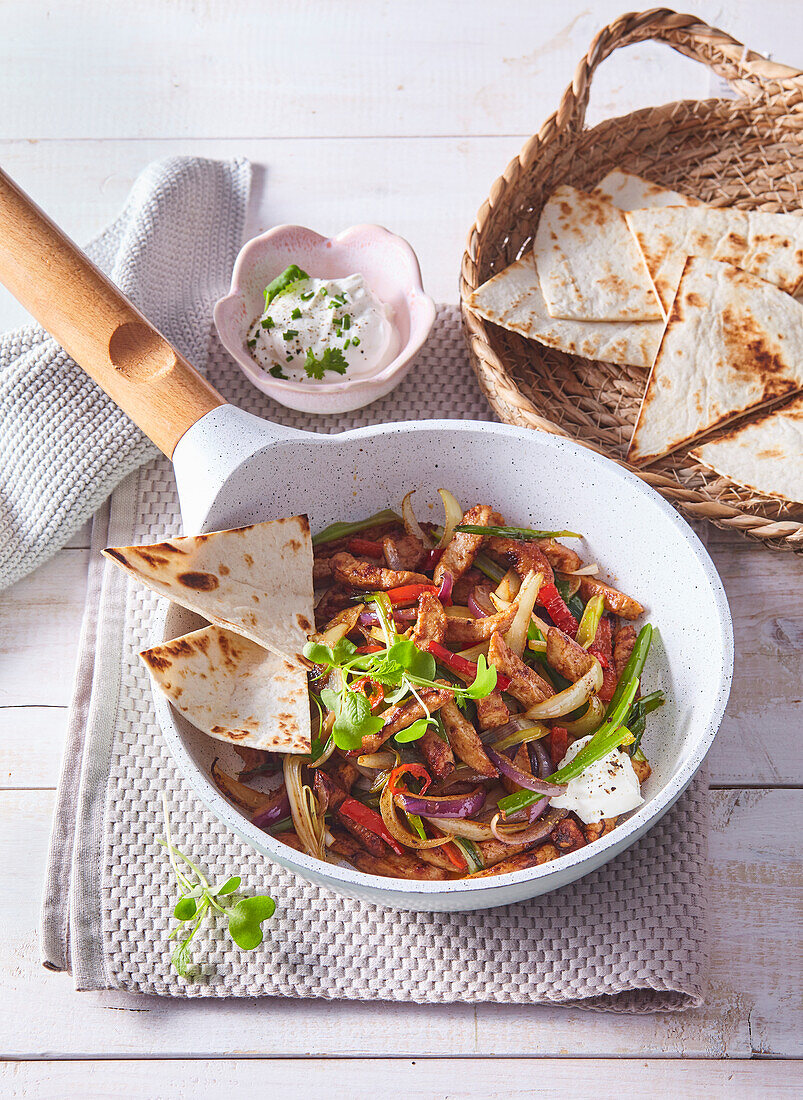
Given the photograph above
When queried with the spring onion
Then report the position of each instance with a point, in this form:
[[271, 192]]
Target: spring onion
[[522, 534], [343, 530], [587, 630]]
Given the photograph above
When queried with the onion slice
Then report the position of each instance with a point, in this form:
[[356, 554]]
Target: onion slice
[[445, 590], [529, 782], [479, 602], [454, 514], [516, 636], [530, 834], [445, 805], [588, 722], [571, 698], [273, 813], [457, 826], [398, 831], [411, 524]]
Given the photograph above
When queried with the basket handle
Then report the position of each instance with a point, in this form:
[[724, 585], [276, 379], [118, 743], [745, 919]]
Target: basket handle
[[748, 72]]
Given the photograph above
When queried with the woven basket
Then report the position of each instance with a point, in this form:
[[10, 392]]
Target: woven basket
[[746, 152]]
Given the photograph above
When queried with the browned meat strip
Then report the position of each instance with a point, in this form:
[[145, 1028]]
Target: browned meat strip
[[522, 556], [468, 632], [391, 865], [642, 770], [492, 711], [492, 851], [410, 866], [331, 796], [291, 839], [560, 557], [402, 716], [406, 549], [343, 771], [459, 555], [321, 571], [525, 683], [599, 828], [568, 836], [333, 601], [430, 626], [466, 585], [369, 577], [615, 601], [328, 792], [465, 740], [623, 645], [437, 753], [533, 857], [566, 656]]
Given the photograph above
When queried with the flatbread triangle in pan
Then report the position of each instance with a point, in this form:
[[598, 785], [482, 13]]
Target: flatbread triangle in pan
[[768, 245], [765, 455], [256, 581], [589, 265], [234, 690], [733, 343]]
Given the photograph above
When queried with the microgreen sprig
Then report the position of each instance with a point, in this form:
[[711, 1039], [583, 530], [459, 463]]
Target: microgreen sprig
[[400, 666], [244, 913]]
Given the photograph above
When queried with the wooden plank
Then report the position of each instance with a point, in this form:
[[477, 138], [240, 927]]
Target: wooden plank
[[751, 1008], [374, 70], [420, 1079], [31, 745], [41, 617]]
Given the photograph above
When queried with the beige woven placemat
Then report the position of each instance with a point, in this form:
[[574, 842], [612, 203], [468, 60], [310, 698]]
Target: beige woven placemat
[[630, 937]]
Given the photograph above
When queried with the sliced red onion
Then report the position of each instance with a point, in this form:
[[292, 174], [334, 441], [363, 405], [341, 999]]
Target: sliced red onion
[[272, 813], [516, 723], [542, 831], [539, 759], [445, 590], [432, 560], [402, 615], [479, 603], [455, 805], [531, 783]]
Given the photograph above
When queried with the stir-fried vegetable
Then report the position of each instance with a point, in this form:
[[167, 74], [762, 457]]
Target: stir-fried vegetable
[[587, 630], [343, 530], [523, 534]]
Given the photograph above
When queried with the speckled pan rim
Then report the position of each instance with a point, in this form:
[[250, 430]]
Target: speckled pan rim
[[614, 843]]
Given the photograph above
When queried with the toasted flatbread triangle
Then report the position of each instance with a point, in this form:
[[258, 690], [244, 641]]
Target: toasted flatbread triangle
[[254, 580], [588, 262], [233, 689], [733, 342], [765, 455], [631, 192], [513, 299], [767, 245]]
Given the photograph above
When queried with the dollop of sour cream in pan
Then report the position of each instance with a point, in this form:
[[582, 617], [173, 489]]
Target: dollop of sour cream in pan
[[324, 330], [605, 789]]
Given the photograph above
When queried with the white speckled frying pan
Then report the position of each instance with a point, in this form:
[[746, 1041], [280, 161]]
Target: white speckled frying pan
[[233, 468]]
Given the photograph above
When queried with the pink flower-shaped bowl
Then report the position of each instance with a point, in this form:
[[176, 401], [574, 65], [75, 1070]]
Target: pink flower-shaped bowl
[[389, 267]]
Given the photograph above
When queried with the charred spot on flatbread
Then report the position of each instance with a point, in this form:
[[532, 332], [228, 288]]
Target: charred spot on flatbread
[[201, 582]]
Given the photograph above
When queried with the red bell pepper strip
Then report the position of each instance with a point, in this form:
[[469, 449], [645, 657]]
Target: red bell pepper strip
[[558, 744], [455, 856], [370, 820], [461, 665], [418, 771], [552, 601], [366, 548], [409, 594], [375, 694], [370, 648], [602, 649]]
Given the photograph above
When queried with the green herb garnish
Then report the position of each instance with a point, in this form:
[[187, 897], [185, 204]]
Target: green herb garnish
[[282, 283], [251, 343], [401, 666], [277, 372], [331, 359], [294, 316], [291, 332], [267, 322], [306, 297], [244, 913], [356, 341]]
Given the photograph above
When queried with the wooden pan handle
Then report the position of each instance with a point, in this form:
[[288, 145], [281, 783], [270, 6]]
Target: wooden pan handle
[[97, 325]]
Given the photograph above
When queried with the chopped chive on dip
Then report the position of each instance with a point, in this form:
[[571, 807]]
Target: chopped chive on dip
[[321, 330]]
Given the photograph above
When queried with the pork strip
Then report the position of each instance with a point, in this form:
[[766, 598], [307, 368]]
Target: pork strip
[[624, 643], [492, 711], [468, 632], [437, 753], [522, 556], [369, 577], [560, 557], [532, 857], [465, 740], [525, 683], [566, 655], [400, 717], [407, 549], [568, 836], [430, 626], [603, 643], [459, 555], [615, 601]]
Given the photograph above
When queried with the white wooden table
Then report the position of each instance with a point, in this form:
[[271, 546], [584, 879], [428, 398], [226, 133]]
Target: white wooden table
[[401, 114]]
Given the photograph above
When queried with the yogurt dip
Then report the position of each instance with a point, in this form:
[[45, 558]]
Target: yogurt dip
[[606, 788], [318, 330]]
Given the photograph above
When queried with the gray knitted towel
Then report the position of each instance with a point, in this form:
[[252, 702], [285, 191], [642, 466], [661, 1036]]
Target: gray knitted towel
[[64, 445]]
